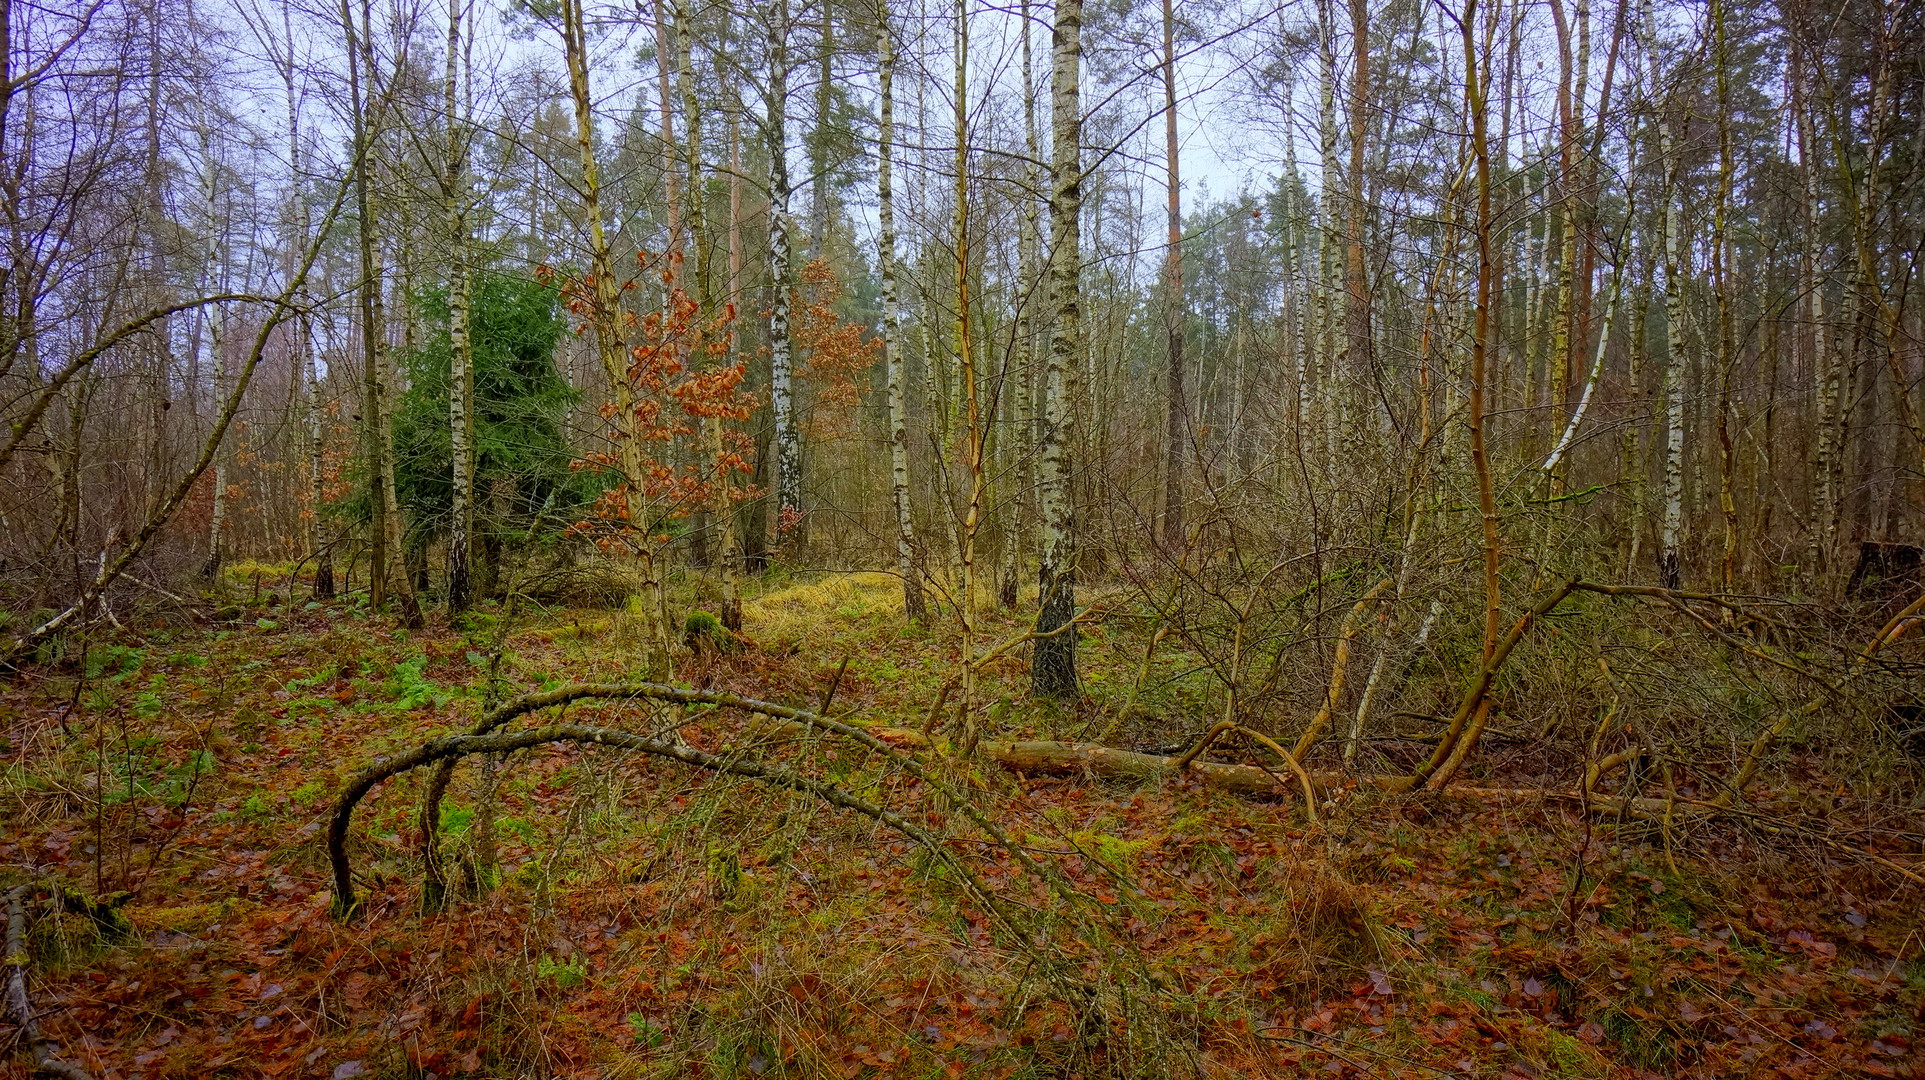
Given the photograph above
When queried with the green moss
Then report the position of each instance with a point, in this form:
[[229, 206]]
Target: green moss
[[703, 632]]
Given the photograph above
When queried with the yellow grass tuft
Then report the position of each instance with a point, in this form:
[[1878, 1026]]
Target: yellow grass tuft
[[189, 918], [793, 610], [244, 571]]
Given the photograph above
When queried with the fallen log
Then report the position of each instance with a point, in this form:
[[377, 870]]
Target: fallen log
[[1070, 759], [46, 1055], [1042, 757]]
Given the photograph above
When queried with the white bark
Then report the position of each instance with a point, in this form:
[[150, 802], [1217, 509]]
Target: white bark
[[912, 598], [214, 273], [966, 370], [1326, 377], [1031, 295], [1053, 666], [788, 439], [1671, 531], [461, 359], [1591, 376]]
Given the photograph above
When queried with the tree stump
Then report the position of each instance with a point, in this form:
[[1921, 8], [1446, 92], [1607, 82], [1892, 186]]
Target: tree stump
[[1888, 575]]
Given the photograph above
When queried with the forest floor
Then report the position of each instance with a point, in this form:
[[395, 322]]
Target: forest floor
[[647, 919]]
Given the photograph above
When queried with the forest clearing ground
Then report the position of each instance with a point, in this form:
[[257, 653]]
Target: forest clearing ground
[[650, 920]]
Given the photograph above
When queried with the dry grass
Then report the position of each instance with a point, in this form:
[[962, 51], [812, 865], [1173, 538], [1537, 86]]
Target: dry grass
[[794, 611]]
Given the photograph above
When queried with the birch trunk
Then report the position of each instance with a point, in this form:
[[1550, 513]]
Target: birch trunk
[[1053, 661], [1635, 449], [912, 599], [1303, 276], [1671, 529], [788, 439], [1324, 372], [1359, 362], [966, 369], [1031, 294], [461, 356]]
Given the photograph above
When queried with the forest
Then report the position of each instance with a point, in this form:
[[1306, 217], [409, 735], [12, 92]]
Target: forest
[[939, 539]]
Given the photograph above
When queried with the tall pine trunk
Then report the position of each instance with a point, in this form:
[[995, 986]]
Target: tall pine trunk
[[1177, 421]]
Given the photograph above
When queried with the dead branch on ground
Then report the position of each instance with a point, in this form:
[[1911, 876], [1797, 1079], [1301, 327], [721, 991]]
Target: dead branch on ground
[[46, 1055]]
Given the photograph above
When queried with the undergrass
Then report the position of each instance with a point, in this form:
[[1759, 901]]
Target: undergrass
[[643, 920]]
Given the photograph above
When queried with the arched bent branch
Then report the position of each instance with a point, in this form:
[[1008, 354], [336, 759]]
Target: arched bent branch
[[528, 703], [434, 885], [562, 695], [1225, 726], [908, 763], [1346, 633], [457, 746], [1448, 755]]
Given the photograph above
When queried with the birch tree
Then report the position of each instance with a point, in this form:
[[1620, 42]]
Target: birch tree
[[461, 355], [1053, 659], [788, 437], [913, 606]]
